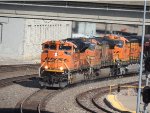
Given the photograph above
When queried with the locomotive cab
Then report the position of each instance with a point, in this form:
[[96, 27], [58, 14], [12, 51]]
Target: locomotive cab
[[120, 55], [119, 43], [56, 52], [121, 50], [56, 61]]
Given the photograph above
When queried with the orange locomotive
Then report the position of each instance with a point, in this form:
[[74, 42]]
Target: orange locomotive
[[71, 60], [126, 52], [57, 58]]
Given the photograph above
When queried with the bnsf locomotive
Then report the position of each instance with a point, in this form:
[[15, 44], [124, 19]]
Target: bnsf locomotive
[[75, 59]]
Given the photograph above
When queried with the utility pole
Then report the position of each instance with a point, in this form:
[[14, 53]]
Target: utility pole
[[147, 78], [147, 70], [141, 61]]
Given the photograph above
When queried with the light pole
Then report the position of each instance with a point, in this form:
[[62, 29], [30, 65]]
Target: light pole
[[141, 61]]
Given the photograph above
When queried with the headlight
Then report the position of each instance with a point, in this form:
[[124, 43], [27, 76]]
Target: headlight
[[55, 54], [61, 68], [46, 67]]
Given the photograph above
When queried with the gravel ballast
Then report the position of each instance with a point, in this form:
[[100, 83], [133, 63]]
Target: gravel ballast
[[11, 95], [64, 102]]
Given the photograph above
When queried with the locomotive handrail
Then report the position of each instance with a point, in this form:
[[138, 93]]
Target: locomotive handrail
[[66, 65], [88, 61], [40, 69]]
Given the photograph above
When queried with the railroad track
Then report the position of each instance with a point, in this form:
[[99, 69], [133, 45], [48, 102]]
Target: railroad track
[[12, 80], [89, 100], [36, 102]]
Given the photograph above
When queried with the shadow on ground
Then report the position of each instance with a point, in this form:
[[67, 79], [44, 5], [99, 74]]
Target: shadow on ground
[[10, 110], [32, 83]]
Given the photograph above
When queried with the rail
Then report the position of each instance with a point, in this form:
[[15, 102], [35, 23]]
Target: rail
[[123, 87], [89, 100]]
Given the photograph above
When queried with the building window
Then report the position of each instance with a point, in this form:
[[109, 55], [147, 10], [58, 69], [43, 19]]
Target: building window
[[1, 32], [147, 30]]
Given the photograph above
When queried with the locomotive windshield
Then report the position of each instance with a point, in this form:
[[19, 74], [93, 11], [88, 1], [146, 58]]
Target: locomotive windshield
[[62, 47], [52, 47]]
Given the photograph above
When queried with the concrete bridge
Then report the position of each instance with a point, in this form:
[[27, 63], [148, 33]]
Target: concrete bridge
[[91, 11]]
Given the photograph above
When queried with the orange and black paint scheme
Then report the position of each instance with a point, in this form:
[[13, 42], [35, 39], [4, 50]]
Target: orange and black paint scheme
[[72, 60], [58, 59]]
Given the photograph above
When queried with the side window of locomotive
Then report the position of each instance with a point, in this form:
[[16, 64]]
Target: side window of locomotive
[[111, 46], [62, 47], [52, 47], [128, 44], [119, 43], [91, 47], [76, 50], [45, 46]]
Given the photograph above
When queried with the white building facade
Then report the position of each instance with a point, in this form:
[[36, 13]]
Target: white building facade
[[21, 39]]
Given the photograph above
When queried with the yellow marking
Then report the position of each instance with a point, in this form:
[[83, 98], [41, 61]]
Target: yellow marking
[[117, 104], [55, 70]]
